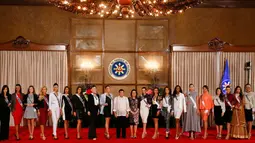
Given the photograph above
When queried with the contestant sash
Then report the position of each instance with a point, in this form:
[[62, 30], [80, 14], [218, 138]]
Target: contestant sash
[[20, 102]]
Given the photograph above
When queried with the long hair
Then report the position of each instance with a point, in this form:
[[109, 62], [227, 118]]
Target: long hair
[[33, 89], [69, 91], [241, 91], [2, 91], [20, 88], [77, 89], [41, 94], [175, 92], [221, 96], [164, 92], [153, 93], [132, 92]]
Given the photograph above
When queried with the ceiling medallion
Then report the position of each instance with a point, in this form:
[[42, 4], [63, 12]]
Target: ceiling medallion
[[125, 8]]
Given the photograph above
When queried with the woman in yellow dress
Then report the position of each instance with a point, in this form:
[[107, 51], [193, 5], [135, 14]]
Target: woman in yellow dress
[[238, 124]]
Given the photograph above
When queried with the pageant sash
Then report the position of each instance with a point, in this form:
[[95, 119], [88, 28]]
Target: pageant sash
[[237, 99], [155, 102], [206, 111], [46, 100], [228, 102], [194, 103], [6, 100], [20, 102], [69, 101], [58, 100], [81, 102], [168, 105], [249, 100]]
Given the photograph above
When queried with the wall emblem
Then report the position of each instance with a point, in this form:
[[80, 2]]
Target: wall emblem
[[119, 68]]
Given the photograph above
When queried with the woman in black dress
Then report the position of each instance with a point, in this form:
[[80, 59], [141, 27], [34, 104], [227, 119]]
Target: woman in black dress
[[156, 107], [106, 103], [219, 110], [5, 103], [79, 109], [67, 109], [93, 111]]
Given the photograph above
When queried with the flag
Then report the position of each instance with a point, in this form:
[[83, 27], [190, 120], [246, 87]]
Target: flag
[[225, 81]]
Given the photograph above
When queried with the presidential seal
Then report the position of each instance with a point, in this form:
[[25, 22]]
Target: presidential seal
[[119, 68]]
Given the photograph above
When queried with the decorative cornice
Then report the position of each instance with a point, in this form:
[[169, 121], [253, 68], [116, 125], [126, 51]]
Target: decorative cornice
[[20, 42], [217, 44]]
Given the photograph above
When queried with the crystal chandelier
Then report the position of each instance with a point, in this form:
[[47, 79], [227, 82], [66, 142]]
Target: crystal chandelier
[[125, 8]]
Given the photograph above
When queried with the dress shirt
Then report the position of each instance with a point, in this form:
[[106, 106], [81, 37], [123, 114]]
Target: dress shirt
[[121, 106], [96, 99], [250, 102], [55, 101], [218, 102]]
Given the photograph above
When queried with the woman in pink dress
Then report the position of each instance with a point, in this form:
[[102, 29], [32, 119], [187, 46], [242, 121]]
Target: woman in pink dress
[[17, 108]]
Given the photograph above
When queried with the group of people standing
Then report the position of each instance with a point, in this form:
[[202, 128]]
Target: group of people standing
[[235, 109]]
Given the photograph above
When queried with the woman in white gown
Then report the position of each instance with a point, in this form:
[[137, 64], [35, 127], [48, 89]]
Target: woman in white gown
[[145, 105]]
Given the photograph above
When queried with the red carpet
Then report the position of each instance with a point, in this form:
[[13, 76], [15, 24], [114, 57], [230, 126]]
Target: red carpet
[[100, 132]]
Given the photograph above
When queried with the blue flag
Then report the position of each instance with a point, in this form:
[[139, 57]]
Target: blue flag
[[225, 78]]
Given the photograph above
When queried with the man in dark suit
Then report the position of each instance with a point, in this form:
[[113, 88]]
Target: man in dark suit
[[93, 112]]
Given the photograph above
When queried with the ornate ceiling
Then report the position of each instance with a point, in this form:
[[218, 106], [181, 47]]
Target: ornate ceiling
[[207, 3]]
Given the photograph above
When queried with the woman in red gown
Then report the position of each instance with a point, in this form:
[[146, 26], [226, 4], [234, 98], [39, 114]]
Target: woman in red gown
[[43, 109], [17, 108]]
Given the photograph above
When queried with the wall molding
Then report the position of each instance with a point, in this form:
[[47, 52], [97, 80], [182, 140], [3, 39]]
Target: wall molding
[[214, 45]]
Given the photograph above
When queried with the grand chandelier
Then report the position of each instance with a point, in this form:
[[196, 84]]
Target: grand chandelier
[[125, 8]]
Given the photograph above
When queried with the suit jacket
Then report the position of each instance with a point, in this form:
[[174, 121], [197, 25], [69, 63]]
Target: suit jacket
[[41, 103], [35, 101], [13, 100], [92, 108]]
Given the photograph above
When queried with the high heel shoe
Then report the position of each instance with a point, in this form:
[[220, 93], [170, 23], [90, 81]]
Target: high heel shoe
[[17, 139], [31, 137], [43, 137], [205, 136], [167, 135], [78, 138], [55, 137], [144, 135], [155, 136], [177, 137], [66, 137], [107, 135]]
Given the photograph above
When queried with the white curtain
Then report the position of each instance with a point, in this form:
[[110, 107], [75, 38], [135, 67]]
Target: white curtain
[[237, 61], [198, 68], [37, 68]]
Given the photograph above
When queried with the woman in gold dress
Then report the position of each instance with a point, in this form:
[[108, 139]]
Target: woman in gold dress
[[238, 124]]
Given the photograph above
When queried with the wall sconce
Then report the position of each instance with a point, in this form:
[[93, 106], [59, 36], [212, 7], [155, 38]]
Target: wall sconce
[[152, 67], [86, 67]]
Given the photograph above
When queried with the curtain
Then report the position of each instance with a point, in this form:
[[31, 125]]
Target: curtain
[[198, 68], [237, 61], [37, 68]]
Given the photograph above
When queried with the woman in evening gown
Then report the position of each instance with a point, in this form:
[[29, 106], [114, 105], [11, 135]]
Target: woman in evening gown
[[192, 117], [238, 128]]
